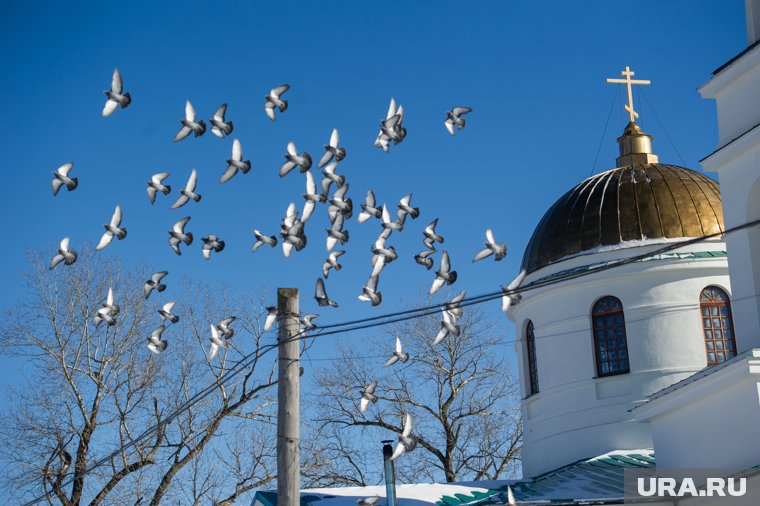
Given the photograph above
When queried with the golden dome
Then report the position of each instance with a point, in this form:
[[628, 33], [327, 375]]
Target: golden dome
[[630, 203]]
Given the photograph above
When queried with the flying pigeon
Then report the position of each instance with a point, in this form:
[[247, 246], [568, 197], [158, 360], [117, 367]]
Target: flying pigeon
[[271, 318], [61, 177], [369, 209], [332, 262], [155, 344], [387, 224], [293, 160], [156, 185], [219, 126], [64, 255], [510, 497], [444, 274], [370, 293], [448, 327], [224, 327], [235, 163], [329, 173], [274, 100], [423, 258], [189, 124], [112, 229], [116, 96], [454, 119], [453, 307], [398, 354], [431, 237], [382, 255], [262, 239], [340, 203], [291, 231], [368, 395], [404, 205], [391, 127], [216, 343], [498, 251], [211, 243], [307, 323], [406, 442], [108, 312], [336, 234], [311, 197], [332, 150], [166, 313], [369, 501], [189, 191], [154, 283], [509, 297], [320, 295], [177, 234]]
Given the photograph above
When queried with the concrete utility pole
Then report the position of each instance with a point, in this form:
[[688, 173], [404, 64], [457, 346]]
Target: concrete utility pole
[[288, 399]]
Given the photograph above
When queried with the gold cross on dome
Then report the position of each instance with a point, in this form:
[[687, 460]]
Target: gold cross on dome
[[627, 73]]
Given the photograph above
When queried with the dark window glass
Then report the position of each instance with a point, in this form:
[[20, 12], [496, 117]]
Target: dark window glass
[[716, 324], [610, 342], [530, 340]]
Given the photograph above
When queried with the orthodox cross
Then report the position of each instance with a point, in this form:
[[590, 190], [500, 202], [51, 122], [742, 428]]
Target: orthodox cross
[[627, 73]]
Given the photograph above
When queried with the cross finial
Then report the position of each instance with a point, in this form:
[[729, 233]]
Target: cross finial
[[627, 73]]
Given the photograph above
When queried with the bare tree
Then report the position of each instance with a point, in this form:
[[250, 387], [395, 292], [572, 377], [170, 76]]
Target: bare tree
[[91, 390], [462, 399]]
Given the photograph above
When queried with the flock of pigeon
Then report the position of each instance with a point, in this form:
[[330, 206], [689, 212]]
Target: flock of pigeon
[[292, 234]]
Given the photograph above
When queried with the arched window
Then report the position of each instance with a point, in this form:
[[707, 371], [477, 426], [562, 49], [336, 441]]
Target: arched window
[[530, 344], [717, 325], [610, 342]]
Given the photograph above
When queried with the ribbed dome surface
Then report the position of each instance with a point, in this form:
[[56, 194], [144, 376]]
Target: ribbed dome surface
[[629, 203]]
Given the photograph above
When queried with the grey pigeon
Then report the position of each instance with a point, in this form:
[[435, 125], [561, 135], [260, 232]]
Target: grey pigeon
[[340, 203], [398, 354], [156, 185], [155, 344], [65, 255], [397, 224], [274, 100], [116, 95], [307, 322], [444, 275], [235, 163], [431, 237], [423, 258], [370, 293], [271, 318], [211, 243], [189, 124], [189, 191], [509, 297], [113, 229], [499, 251], [332, 150], [166, 313], [154, 283], [292, 231], [178, 235], [329, 173], [332, 262], [454, 119], [382, 255], [320, 295], [61, 178], [216, 342], [368, 395], [453, 307], [262, 239], [108, 312], [224, 328], [293, 159], [311, 197], [392, 120], [336, 234], [406, 442], [405, 206], [448, 327], [369, 208], [219, 126]]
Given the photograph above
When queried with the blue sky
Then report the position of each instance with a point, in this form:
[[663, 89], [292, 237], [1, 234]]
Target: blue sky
[[534, 73]]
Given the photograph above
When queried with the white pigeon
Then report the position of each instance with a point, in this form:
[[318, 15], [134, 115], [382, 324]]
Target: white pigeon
[[448, 327], [216, 343], [65, 255], [154, 283], [178, 235], [368, 501], [332, 150], [262, 239], [271, 318], [274, 100], [219, 126], [454, 119], [431, 237], [189, 191], [370, 292], [61, 178], [166, 313], [116, 95], [156, 185], [189, 124], [509, 297], [113, 229], [311, 197], [387, 224], [398, 354], [293, 159], [406, 442], [235, 163], [224, 327], [155, 344], [454, 308], [444, 275], [108, 312], [320, 295], [499, 251], [369, 209], [211, 243], [368, 395], [332, 262]]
